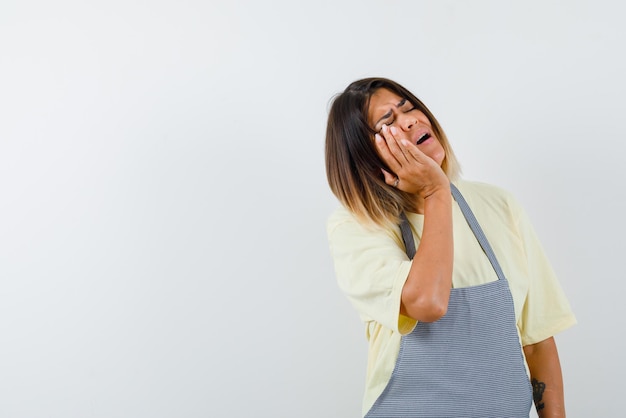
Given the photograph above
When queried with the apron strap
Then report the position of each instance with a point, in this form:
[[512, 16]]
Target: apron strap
[[409, 242], [407, 236]]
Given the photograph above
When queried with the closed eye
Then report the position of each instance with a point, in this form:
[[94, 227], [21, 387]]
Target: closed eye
[[407, 107], [385, 120], [403, 106], [388, 123]]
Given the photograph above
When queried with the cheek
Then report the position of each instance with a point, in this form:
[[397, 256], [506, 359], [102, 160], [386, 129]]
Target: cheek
[[423, 119], [438, 153]]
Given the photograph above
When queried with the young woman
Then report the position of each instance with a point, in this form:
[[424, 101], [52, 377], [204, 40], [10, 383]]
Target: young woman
[[459, 301]]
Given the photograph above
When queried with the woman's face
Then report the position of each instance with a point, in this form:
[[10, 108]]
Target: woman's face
[[387, 108]]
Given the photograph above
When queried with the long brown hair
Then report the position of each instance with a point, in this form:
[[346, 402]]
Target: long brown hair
[[353, 164]]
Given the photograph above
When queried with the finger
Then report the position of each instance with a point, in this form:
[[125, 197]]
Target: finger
[[393, 142], [386, 154], [413, 151]]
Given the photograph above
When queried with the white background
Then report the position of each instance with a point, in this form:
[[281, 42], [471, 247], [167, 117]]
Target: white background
[[163, 194]]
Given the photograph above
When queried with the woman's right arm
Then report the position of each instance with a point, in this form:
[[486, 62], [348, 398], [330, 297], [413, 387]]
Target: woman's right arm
[[426, 291]]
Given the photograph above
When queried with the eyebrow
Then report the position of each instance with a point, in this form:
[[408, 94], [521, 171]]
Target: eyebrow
[[386, 115]]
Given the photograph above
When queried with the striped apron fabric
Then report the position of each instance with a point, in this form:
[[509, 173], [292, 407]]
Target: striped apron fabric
[[469, 363]]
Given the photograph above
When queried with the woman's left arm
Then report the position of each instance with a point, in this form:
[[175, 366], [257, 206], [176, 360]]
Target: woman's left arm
[[546, 378]]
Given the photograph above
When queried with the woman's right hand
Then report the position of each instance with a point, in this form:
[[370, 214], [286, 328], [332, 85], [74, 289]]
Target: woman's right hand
[[426, 292], [413, 171]]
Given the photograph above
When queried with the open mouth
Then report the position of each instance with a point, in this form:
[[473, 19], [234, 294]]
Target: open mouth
[[423, 138]]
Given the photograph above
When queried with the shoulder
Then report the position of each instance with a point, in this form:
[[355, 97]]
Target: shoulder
[[343, 226], [480, 189], [341, 217], [488, 196]]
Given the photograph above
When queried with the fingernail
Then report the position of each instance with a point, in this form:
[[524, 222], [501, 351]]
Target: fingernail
[[394, 130], [404, 142], [384, 127]]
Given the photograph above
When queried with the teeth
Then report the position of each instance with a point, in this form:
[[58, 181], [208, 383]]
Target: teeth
[[423, 138]]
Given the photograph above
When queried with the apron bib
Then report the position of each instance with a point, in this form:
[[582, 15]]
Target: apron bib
[[469, 363]]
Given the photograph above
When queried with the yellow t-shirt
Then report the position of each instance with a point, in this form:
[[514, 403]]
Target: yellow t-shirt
[[371, 267]]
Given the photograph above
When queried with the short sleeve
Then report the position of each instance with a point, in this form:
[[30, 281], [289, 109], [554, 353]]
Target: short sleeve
[[546, 310], [371, 267]]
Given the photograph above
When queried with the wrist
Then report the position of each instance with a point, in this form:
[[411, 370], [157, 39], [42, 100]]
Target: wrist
[[437, 192], [435, 201]]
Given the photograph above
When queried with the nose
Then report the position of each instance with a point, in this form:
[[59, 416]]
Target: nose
[[407, 122]]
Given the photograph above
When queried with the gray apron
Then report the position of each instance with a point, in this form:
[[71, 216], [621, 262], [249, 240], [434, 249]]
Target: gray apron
[[469, 363]]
